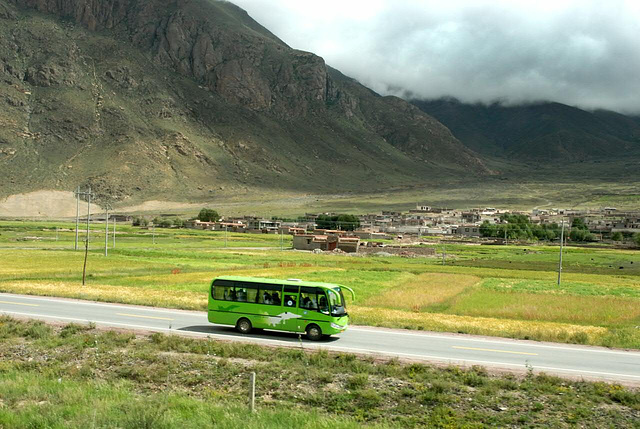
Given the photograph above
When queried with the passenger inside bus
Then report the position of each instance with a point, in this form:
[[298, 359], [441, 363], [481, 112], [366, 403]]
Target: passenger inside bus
[[267, 299], [322, 303]]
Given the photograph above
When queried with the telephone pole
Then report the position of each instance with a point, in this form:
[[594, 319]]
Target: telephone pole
[[77, 215], [86, 245], [114, 232], [560, 260], [106, 230]]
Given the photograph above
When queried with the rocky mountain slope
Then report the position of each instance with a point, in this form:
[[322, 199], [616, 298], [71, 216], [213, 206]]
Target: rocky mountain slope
[[548, 132], [185, 99]]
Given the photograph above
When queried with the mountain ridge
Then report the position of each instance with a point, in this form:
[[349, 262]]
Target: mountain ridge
[[194, 98], [542, 131]]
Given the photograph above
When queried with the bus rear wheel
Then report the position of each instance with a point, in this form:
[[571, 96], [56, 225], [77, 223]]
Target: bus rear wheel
[[314, 333], [243, 326]]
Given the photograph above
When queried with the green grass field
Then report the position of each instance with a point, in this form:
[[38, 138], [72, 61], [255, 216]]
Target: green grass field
[[508, 291], [72, 376]]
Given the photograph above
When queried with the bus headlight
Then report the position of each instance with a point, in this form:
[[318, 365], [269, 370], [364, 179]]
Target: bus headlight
[[336, 326]]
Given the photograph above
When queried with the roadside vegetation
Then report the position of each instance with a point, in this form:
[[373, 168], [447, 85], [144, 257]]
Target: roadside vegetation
[[77, 376], [508, 291]]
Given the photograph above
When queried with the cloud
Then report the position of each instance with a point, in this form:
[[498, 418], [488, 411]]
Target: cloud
[[582, 53]]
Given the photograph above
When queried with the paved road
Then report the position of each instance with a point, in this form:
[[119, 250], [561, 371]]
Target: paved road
[[497, 353]]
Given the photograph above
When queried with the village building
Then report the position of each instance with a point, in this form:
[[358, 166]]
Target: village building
[[198, 224], [467, 230], [230, 227], [292, 230], [326, 243], [264, 226]]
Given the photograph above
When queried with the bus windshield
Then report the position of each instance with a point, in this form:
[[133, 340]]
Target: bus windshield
[[338, 304]]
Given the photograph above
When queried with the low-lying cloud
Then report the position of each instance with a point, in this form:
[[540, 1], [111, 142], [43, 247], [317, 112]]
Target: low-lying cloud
[[584, 53]]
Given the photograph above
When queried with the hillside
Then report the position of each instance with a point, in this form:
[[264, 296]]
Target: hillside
[[160, 99], [539, 132]]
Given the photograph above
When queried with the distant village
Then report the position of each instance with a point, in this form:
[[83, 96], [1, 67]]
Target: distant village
[[367, 231]]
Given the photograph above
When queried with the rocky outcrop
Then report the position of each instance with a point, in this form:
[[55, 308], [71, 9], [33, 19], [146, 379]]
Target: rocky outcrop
[[245, 67]]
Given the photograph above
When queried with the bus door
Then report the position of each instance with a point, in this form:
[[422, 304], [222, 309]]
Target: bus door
[[291, 314]]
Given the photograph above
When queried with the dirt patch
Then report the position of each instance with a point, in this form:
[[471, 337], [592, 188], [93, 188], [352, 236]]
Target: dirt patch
[[43, 204]]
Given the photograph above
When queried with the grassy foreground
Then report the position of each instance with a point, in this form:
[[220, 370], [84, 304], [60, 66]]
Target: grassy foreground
[[490, 290], [78, 377]]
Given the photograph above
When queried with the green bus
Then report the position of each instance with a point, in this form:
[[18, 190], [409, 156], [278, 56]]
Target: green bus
[[292, 305]]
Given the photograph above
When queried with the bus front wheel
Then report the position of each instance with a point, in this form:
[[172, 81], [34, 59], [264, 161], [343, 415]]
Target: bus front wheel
[[243, 326], [314, 333]]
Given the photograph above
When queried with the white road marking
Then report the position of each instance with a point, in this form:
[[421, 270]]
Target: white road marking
[[143, 317], [493, 350], [334, 348]]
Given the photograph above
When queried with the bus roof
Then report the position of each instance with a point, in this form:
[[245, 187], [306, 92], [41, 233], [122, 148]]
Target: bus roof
[[292, 282]]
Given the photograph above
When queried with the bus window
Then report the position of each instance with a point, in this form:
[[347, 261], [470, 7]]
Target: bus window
[[323, 304], [309, 298], [337, 302], [223, 290], [247, 292], [269, 294], [252, 294]]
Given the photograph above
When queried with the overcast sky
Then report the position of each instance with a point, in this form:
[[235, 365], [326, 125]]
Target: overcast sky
[[584, 53]]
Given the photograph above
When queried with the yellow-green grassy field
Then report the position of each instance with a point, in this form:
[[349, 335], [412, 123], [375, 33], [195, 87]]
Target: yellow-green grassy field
[[489, 290]]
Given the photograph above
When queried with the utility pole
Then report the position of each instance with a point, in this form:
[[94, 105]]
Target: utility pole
[[114, 232], [153, 233], [560, 260], [226, 230], [106, 230], [77, 215], [86, 245], [444, 254]]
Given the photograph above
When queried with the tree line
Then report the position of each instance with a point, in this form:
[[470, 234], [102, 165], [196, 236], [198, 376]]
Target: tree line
[[520, 227]]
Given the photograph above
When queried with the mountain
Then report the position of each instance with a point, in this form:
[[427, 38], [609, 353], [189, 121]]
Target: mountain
[[187, 99], [538, 132]]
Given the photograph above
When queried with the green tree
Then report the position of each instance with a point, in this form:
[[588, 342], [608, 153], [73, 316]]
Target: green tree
[[140, 221], [577, 234], [348, 222], [208, 215], [579, 224], [178, 223], [616, 236], [488, 230], [636, 238], [344, 221], [165, 223]]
